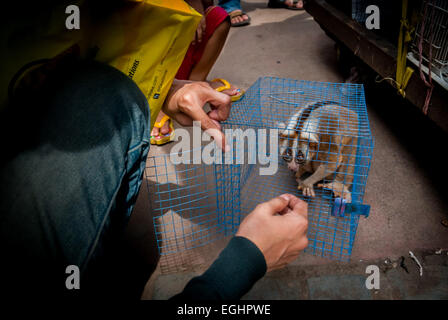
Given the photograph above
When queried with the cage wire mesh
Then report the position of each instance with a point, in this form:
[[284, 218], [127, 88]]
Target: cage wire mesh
[[187, 200], [272, 101], [193, 204], [434, 38], [196, 204]]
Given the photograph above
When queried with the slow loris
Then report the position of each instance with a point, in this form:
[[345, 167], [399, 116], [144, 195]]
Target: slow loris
[[321, 139]]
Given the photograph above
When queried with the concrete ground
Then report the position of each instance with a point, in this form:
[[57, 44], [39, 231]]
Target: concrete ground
[[405, 187]]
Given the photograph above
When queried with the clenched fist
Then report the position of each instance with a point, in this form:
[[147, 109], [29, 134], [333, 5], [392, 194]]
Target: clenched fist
[[278, 228]]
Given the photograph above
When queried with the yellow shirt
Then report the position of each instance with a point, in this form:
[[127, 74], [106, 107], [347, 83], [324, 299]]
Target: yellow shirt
[[145, 39]]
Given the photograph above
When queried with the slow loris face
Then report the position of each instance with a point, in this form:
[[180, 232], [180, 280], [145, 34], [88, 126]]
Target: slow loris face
[[298, 142], [296, 152]]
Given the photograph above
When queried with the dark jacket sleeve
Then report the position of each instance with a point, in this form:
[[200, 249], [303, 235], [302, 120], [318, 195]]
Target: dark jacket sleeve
[[231, 276]]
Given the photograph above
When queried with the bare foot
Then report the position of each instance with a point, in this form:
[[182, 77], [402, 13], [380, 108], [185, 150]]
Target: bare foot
[[233, 91], [238, 19], [298, 5], [165, 128]]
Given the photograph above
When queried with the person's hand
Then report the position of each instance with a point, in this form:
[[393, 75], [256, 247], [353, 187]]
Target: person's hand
[[200, 31], [185, 101], [278, 228]]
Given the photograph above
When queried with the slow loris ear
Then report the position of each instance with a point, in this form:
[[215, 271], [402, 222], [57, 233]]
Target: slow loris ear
[[281, 126], [284, 131]]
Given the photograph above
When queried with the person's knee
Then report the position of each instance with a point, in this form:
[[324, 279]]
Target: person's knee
[[92, 106], [110, 84]]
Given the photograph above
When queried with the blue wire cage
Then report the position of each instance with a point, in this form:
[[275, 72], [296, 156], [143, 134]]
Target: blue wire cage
[[196, 203]]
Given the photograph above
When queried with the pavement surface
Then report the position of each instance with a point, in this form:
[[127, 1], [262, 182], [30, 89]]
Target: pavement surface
[[405, 187]]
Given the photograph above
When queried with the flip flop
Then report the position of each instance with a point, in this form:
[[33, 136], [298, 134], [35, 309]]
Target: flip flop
[[275, 4], [239, 13], [166, 138], [163, 139], [227, 86]]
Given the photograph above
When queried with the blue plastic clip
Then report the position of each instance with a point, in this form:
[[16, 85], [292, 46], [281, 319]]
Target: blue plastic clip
[[341, 207]]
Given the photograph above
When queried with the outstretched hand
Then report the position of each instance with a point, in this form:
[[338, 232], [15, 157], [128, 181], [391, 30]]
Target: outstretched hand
[[278, 228], [185, 103]]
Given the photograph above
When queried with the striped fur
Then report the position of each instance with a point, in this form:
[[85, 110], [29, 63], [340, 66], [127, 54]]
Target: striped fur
[[321, 139]]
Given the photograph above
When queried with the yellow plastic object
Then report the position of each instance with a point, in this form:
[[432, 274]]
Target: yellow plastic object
[[148, 41], [403, 73], [145, 39], [227, 86], [163, 139]]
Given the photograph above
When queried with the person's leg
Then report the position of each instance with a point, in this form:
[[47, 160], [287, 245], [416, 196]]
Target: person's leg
[[68, 194], [233, 6], [201, 57], [211, 52]]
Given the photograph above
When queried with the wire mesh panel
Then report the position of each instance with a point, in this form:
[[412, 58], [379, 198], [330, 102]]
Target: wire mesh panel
[[434, 39], [324, 142], [282, 134], [184, 202], [194, 202]]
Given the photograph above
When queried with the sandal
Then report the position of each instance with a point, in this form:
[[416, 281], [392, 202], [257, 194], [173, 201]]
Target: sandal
[[227, 86], [281, 4], [165, 138], [239, 13]]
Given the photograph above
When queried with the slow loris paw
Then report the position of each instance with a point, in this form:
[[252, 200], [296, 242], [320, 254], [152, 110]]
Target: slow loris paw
[[307, 189], [339, 190]]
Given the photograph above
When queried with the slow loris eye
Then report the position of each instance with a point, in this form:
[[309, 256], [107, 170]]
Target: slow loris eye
[[300, 159], [287, 156]]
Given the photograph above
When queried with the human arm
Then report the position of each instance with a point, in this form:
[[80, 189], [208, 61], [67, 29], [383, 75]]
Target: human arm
[[269, 238], [185, 101]]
